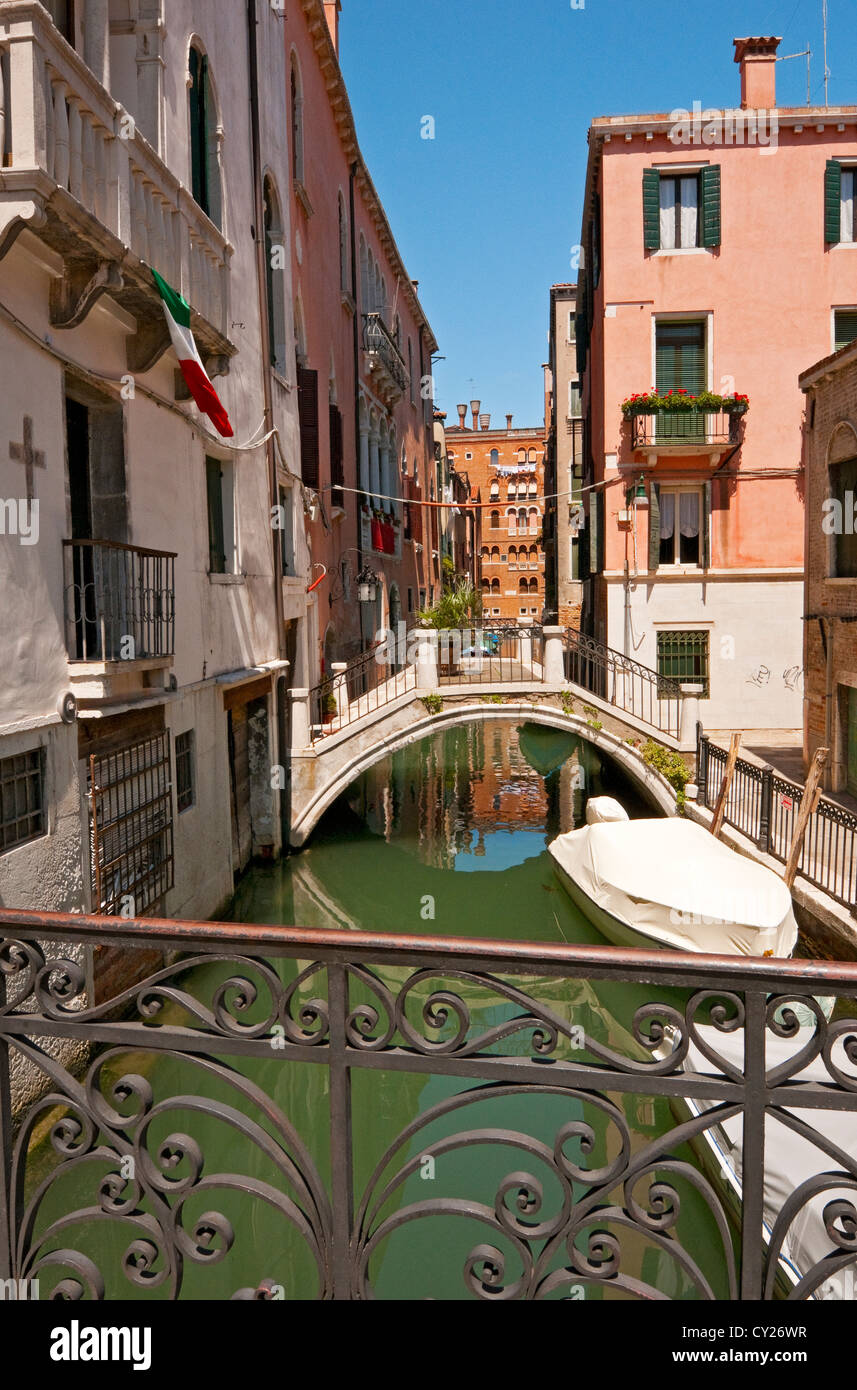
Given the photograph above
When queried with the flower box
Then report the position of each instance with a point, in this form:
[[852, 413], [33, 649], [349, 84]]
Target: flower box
[[682, 401]]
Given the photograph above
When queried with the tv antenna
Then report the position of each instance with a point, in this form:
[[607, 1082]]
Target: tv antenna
[[826, 68], [804, 53]]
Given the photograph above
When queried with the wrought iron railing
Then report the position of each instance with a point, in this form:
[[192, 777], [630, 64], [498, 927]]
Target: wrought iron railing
[[555, 1153], [764, 807], [370, 682], [501, 655], [623, 682], [691, 427], [378, 340], [119, 601]]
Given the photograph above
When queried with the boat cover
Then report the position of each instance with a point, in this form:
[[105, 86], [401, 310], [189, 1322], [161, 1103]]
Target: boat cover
[[672, 881]]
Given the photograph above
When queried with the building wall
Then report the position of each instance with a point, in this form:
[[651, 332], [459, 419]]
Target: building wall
[[767, 292], [830, 633], [565, 451], [502, 600]]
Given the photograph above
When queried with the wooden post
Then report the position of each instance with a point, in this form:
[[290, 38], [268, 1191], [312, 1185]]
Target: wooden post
[[723, 794], [809, 801]]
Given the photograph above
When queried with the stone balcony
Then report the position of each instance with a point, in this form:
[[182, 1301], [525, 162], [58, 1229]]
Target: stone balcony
[[76, 171]]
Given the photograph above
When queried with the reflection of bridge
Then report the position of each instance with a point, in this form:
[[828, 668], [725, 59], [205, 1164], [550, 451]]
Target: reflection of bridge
[[392, 696]]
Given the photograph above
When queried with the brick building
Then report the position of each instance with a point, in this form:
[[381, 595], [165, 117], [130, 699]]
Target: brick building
[[830, 627], [506, 472]]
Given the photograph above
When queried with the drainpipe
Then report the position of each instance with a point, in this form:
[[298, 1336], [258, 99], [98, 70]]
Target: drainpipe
[[262, 287]]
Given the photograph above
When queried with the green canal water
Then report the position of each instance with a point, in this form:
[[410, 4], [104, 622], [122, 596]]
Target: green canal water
[[446, 837]]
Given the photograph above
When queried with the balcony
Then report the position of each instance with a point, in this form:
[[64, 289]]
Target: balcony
[[75, 171], [384, 362], [686, 432], [119, 616]]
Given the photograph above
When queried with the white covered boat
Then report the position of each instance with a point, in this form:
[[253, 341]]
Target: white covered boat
[[669, 882]]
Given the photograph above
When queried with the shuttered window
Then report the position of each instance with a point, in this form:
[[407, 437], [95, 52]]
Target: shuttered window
[[308, 414], [681, 210], [684, 657], [844, 328], [337, 465], [710, 198], [679, 526], [216, 520], [832, 201]]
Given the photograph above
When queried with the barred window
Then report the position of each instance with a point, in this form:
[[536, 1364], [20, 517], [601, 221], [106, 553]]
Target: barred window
[[684, 657], [185, 771], [22, 798]]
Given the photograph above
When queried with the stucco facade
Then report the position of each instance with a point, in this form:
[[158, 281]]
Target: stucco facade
[[563, 461], [731, 296]]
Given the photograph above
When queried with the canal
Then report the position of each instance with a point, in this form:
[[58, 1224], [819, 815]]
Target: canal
[[446, 837]]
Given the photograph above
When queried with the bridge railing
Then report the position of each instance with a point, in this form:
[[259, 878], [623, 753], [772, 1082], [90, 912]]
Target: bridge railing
[[565, 1158], [627, 684], [765, 807], [359, 687]]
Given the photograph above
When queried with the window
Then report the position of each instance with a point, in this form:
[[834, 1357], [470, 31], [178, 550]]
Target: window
[[846, 204], [22, 798], [344, 277], [681, 210], [410, 600], [680, 512], [204, 166], [683, 657], [62, 14], [844, 328], [843, 547], [297, 122], [681, 363], [221, 517], [337, 461], [572, 327], [495, 459], [411, 370], [308, 417], [287, 533], [575, 409], [495, 521], [275, 268], [185, 771]]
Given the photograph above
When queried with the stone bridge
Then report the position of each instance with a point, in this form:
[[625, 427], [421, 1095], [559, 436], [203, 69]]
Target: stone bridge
[[368, 709]]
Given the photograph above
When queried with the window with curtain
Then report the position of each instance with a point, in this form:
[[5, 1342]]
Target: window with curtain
[[680, 220], [846, 202], [681, 512]]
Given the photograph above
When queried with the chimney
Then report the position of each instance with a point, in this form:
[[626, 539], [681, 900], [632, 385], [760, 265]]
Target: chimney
[[462, 416], [757, 60], [474, 407], [331, 14], [509, 423], [485, 422]]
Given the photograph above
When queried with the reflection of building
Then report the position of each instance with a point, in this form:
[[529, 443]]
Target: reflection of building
[[506, 472], [830, 636], [563, 461]]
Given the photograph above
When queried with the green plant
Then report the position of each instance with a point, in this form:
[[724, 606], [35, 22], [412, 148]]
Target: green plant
[[447, 573], [455, 608], [493, 699], [567, 702], [433, 703], [671, 765], [592, 717], [328, 699], [655, 402]]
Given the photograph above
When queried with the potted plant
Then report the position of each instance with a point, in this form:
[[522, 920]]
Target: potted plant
[[328, 702], [456, 608], [682, 401]]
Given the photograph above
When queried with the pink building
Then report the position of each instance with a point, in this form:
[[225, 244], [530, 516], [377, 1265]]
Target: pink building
[[363, 348], [718, 255]]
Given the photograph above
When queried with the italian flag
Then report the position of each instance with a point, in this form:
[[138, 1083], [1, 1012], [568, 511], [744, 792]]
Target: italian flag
[[177, 311]]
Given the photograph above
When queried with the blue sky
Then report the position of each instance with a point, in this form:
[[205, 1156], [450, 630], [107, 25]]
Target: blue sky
[[485, 214]]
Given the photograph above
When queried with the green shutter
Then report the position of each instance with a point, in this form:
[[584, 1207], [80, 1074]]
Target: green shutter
[[706, 526], [654, 526], [832, 200], [216, 538], [680, 356], [651, 209], [710, 187], [844, 327]]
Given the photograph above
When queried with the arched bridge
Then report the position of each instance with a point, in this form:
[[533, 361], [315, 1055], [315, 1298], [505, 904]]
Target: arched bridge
[[409, 687]]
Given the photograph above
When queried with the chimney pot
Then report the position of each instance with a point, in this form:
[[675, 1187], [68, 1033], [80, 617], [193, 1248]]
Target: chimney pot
[[485, 422], [757, 61], [474, 410], [509, 423], [462, 416], [331, 14]]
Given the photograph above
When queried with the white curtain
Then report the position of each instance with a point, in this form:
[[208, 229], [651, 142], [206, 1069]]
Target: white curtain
[[667, 215], [846, 231], [667, 516], [689, 211], [688, 514]]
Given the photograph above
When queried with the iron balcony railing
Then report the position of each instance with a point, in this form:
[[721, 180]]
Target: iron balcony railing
[[564, 1155], [690, 427], [764, 807], [623, 682], [497, 655], [119, 601], [379, 341]]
